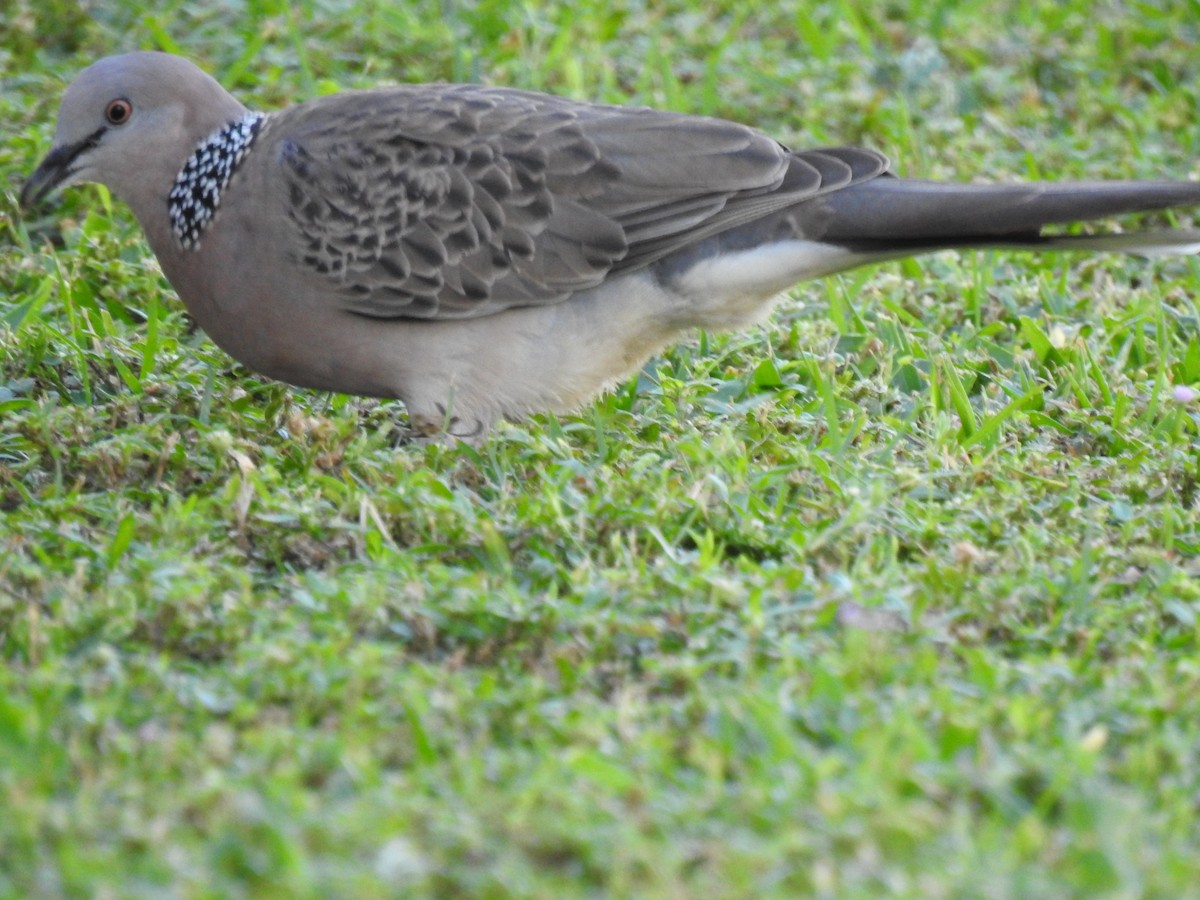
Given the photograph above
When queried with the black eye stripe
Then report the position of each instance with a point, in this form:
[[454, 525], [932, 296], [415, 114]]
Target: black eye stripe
[[72, 151]]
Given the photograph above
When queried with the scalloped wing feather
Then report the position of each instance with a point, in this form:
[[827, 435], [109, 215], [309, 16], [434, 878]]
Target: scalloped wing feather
[[451, 201]]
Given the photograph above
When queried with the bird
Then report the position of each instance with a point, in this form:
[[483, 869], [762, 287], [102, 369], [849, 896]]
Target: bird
[[485, 253]]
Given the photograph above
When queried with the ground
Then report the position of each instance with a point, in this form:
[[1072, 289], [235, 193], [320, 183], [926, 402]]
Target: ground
[[894, 595]]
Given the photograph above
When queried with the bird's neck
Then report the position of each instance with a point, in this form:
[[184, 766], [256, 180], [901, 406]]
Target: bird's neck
[[196, 193], [188, 193]]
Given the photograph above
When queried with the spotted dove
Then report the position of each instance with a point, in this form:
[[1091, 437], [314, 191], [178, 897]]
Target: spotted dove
[[483, 252]]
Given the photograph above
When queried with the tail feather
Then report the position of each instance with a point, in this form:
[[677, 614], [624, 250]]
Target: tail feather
[[896, 214], [1151, 244], [1182, 242]]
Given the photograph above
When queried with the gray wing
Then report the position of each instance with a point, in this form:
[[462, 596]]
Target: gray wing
[[445, 201]]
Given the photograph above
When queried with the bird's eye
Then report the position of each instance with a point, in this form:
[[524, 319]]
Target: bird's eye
[[118, 111]]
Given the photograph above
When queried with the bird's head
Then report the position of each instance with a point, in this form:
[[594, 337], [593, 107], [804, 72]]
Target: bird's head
[[129, 122]]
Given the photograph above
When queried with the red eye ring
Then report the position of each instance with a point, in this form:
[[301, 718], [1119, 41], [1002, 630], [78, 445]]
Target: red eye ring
[[118, 111]]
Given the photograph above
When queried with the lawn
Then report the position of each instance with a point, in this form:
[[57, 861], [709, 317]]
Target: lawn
[[895, 595]]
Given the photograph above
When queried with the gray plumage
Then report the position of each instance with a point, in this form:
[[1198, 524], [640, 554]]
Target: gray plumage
[[484, 252]]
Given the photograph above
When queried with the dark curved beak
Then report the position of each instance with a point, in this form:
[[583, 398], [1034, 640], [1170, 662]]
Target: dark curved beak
[[58, 165]]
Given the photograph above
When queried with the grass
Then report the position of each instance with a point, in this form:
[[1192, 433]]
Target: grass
[[896, 595]]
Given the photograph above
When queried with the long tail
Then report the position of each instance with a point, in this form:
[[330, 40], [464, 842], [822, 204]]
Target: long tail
[[898, 216]]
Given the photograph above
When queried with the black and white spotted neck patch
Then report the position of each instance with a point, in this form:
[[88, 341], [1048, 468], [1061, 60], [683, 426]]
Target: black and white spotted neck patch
[[196, 194]]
